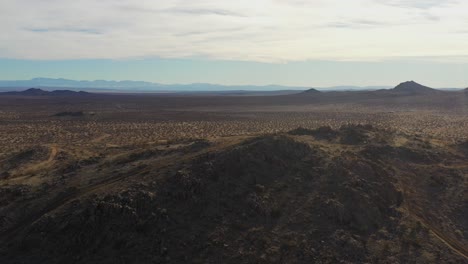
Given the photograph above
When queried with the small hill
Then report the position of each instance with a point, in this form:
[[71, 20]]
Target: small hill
[[67, 93], [33, 92], [311, 91], [40, 92], [412, 87]]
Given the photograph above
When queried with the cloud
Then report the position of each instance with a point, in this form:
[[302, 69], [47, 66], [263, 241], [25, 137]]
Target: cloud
[[70, 30], [358, 23], [253, 30], [195, 11], [420, 4]]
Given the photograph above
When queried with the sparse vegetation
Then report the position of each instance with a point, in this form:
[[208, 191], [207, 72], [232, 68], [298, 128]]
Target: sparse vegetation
[[79, 113], [145, 179]]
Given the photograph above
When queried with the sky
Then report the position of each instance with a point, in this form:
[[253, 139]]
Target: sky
[[286, 42]]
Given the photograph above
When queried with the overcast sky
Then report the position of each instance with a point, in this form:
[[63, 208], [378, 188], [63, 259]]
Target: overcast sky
[[431, 33]]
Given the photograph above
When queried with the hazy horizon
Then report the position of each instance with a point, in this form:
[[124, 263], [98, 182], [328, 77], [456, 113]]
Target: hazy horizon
[[50, 83], [320, 74]]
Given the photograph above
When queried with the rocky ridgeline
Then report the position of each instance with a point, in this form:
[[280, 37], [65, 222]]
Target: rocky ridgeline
[[270, 199]]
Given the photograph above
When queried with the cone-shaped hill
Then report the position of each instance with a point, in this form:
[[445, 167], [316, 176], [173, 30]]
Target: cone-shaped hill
[[412, 87], [311, 91]]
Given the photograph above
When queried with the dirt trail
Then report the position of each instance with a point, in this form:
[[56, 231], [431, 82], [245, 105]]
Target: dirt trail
[[31, 168], [100, 138], [450, 242], [50, 159], [165, 162], [53, 154]]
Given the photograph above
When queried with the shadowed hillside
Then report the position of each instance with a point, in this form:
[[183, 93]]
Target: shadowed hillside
[[40, 92], [311, 91], [413, 88], [357, 194]]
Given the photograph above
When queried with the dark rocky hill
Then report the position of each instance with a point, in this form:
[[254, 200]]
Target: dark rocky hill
[[413, 88], [352, 195], [311, 91], [40, 92]]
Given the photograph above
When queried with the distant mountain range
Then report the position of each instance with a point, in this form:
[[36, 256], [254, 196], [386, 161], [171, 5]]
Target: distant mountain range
[[403, 89], [139, 86], [49, 84]]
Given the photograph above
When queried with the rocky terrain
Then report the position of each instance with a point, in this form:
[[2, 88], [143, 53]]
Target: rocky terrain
[[353, 194], [315, 177]]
